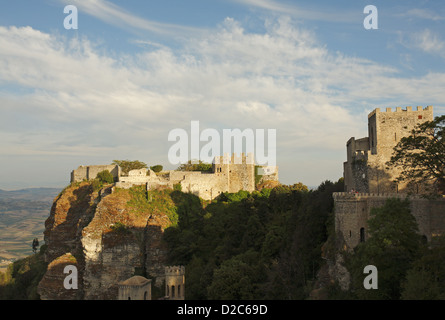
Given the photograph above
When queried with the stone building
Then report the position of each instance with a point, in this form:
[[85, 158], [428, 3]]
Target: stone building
[[229, 174], [353, 210], [365, 169], [135, 288], [175, 283], [369, 183]]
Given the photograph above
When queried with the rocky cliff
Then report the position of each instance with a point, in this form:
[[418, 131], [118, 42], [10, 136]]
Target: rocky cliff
[[109, 234]]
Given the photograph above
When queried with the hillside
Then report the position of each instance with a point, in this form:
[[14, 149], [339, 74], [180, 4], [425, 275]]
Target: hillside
[[261, 240], [108, 236]]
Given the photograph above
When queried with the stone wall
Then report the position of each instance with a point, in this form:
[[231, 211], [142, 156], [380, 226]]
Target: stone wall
[[352, 211], [230, 174], [90, 172]]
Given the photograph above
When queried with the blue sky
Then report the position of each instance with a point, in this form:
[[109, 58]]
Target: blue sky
[[135, 70]]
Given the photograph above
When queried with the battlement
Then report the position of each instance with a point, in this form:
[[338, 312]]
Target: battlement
[[235, 159], [356, 195], [419, 109], [174, 270]]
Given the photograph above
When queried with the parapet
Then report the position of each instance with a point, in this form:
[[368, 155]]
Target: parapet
[[235, 159], [357, 195], [174, 270], [399, 109]]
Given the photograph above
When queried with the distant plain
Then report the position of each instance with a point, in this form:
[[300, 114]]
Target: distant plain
[[22, 218]]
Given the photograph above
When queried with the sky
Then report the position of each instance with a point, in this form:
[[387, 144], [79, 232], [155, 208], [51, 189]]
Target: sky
[[133, 71]]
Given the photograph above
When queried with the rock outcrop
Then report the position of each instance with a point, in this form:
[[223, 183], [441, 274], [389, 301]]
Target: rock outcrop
[[109, 235]]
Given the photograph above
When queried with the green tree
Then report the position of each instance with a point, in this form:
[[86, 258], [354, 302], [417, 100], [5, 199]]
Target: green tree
[[157, 168], [426, 279], [195, 166], [127, 165], [421, 155], [105, 177], [237, 278], [393, 244]]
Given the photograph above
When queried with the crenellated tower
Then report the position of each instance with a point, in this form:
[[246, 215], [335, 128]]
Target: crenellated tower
[[365, 169]]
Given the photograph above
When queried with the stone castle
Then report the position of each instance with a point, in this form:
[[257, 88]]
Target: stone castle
[[139, 288], [365, 169], [369, 182], [229, 174]]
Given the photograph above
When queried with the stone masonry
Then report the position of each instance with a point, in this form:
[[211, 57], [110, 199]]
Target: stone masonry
[[365, 169], [229, 174], [369, 183]]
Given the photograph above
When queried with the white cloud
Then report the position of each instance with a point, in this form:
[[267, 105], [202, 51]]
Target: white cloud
[[303, 13], [80, 100], [422, 14], [429, 42]]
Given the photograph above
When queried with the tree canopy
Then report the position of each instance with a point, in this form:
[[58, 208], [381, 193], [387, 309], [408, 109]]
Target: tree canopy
[[127, 165], [195, 166], [393, 245], [421, 155]]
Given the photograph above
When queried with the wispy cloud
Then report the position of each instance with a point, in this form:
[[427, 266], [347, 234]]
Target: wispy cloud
[[421, 14], [81, 98], [304, 13], [425, 40], [117, 16]]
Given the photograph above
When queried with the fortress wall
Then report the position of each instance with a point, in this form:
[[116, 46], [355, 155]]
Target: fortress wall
[[90, 172], [79, 174], [205, 185], [352, 211], [230, 174]]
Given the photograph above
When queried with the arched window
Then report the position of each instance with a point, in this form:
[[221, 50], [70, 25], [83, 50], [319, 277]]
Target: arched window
[[145, 295], [173, 291]]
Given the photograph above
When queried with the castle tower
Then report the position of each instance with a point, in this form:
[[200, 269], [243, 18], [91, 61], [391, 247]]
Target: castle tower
[[365, 169], [242, 173], [175, 282]]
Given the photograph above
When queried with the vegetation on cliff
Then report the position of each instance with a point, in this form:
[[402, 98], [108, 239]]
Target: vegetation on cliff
[[20, 280], [259, 245], [267, 244]]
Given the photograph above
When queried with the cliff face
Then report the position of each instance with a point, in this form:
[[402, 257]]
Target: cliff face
[[109, 235]]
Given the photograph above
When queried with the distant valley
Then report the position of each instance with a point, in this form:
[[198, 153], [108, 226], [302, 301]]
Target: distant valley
[[22, 218]]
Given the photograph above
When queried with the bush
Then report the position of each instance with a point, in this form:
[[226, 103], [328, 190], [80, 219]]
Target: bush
[[127, 165], [156, 168], [105, 177]]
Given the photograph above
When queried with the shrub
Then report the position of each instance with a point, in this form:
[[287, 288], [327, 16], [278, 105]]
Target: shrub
[[127, 165], [105, 177], [156, 168]]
